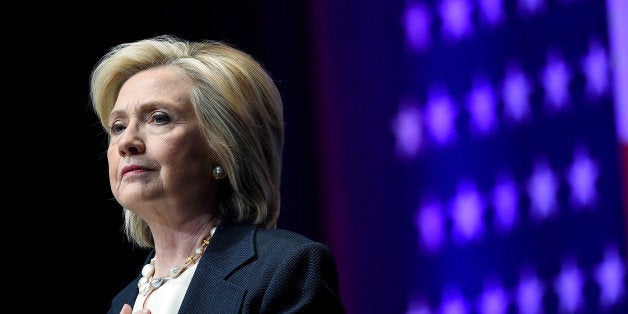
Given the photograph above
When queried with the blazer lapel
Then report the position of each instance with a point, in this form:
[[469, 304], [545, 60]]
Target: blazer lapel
[[209, 291]]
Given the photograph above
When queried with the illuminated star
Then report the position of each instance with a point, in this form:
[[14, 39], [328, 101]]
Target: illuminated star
[[408, 130], [454, 302], [430, 223], [493, 300], [555, 78], [530, 7], [610, 275], [440, 114], [542, 189], [516, 92], [416, 22], [595, 67], [456, 18], [530, 294], [505, 202], [481, 105], [569, 285], [492, 11], [467, 212], [582, 176]]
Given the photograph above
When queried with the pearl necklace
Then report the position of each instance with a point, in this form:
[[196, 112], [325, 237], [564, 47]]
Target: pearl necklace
[[148, 284]]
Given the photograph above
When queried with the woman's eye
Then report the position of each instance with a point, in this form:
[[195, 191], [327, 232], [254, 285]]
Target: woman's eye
[[117, 128], [161, 118]]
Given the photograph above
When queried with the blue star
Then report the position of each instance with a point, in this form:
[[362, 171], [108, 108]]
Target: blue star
[[555, 78], [440, 114], [505, 202], [456, 18], [467, 212], [530, 293], [482, 105], [492, 11], [416, 22], [595, 67], [530, 7], [542, 189], [408, 130], [610, 275], [582, 176], [516, 93], [569, 285], [430, 223], [493, 300]]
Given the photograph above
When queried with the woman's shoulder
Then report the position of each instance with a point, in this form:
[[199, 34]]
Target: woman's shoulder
[[282, 239]]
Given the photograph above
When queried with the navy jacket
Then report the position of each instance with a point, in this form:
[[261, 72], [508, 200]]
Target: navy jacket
[[247, 269]]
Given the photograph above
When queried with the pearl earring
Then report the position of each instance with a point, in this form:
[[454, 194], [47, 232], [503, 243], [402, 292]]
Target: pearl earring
[[218, 173]]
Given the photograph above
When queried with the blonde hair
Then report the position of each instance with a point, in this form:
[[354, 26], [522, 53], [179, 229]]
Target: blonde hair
[[238, 106]]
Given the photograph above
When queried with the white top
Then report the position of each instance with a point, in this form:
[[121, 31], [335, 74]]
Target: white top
[[167, 299]]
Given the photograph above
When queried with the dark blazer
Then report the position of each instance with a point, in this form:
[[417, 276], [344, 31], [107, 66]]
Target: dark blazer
[[247, 269]]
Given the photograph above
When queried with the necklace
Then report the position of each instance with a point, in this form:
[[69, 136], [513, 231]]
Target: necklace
[[148, 284]]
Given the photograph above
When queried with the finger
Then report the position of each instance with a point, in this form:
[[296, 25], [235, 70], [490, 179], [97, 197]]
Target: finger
[[126, 309]]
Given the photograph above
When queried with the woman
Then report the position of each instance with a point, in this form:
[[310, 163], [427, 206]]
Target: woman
[[195, 141]]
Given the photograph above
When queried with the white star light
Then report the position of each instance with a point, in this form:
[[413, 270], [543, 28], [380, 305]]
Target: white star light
[[611, 275], [430, 223], [467, 212], [595, 67], [440, 115], [482, 104], [568, 286], [505, 202], [454, 302], [555, 79], [542, 188], [530, 7], [456, 18], [516, 92], [582, 176], [416, 22], [530, 294], [408, 130], [493, 300], [492, 11]]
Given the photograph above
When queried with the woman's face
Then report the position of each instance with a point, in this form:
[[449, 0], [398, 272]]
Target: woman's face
[[156, 153]]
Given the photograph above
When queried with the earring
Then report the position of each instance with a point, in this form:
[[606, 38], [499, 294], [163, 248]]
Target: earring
[[218, 173]]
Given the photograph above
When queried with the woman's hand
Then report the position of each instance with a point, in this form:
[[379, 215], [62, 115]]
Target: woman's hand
[[126, 309]]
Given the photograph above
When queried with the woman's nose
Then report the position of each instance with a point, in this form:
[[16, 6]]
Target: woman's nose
[[131, 142]]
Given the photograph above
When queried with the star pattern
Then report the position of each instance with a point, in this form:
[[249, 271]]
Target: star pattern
[[595, 67], [440, 115], [610, 275], [493, 299], [568, 286], [468, 209], [582, 177], [407, 127], [505, 202], [542, 188], [516, 92], [482, 106], [555, 79], [494, 104], [430, 223], [456, 18], [529, 294], [492, 11], [417, 26]]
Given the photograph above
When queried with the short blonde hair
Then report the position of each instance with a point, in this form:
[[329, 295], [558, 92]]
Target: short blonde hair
[[238, 106]]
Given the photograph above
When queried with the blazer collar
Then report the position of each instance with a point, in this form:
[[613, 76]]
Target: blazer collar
[[231, 246]]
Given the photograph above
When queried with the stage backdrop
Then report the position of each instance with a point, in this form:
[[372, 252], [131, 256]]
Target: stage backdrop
[[471, 153]]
